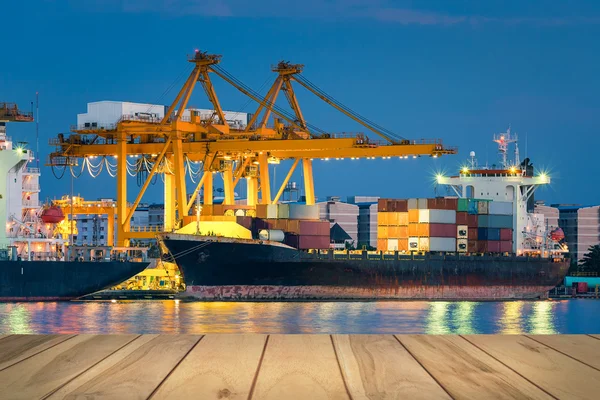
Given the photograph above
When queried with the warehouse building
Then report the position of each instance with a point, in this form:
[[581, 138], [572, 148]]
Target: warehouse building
[[581, 225]]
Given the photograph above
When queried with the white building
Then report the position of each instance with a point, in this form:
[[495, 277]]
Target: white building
[[105, 114], [344, 214]]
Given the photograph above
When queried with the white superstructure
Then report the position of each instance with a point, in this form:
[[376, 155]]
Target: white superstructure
[[512, 182]]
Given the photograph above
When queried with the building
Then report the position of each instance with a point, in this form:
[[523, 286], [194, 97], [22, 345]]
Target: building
[[551, 214], [105, 114], [581, 225], [367, 220], [344, 214]]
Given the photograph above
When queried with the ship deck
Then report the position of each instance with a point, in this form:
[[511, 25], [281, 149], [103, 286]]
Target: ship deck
[[256, 366]]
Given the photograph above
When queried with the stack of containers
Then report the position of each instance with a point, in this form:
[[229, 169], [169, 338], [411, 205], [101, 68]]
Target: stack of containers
[[495, 227], [432, 224], [392, 225], [466, 216]]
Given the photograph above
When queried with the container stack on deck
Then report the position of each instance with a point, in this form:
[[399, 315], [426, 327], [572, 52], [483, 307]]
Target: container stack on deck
[[445, 225]]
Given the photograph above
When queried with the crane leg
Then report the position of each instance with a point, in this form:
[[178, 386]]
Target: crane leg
[[252, 190], [265, 181], [122, 226], [110, 229], [179, 170], [228, 185], [169, 219], [309, 184], [208, 188]]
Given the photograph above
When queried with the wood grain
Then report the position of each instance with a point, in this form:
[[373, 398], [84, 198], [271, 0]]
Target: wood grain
[[220, 366], [101, 367], [138, 374], [466, 372], [16, 348], [378, 367], [580, 347], [41, 374], [300, 367], [558, 374]]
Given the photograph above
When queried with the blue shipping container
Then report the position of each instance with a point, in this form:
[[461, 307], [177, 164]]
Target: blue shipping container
[[488, 234], [495, 221], [473, 207]]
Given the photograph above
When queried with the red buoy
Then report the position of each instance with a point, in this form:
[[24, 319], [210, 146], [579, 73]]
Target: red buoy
[[558, 234]]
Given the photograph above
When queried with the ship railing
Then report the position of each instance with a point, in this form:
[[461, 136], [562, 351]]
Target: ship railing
[[32, 171], [146, 228]]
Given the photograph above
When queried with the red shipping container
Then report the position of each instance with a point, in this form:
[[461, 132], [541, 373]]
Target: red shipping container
[[440, 203], [472, 246], [442, 230], [472, 221], [506, 246], [382, 205], [472, 234], [493, 246], [462, 218], [506, 234], [401, 206], [582, 287]]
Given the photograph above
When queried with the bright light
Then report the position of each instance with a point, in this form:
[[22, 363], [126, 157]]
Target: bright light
[[513, 170], [465, 170], [414, 156], [19, 150], [439, 178]]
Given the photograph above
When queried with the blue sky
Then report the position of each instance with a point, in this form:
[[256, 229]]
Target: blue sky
[[460, 71]]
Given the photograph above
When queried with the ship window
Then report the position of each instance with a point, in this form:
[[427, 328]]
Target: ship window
[[74, 237]]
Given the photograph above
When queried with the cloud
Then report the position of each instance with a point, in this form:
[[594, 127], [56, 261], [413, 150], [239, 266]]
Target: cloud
[[375, 10]]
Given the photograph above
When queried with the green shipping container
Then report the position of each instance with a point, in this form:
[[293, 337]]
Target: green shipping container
[[463, 205], [496, 221]]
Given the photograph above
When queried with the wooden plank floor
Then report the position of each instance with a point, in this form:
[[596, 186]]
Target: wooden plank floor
[[299, 367]]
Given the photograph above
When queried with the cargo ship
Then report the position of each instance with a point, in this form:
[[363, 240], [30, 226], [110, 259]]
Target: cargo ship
[[36, 263], [484, 243]]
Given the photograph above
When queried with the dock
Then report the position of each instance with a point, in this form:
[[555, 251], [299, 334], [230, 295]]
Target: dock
[[252, 366]]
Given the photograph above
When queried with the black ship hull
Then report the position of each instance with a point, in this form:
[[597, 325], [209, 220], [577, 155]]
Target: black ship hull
[[57, 280], [231, 269]]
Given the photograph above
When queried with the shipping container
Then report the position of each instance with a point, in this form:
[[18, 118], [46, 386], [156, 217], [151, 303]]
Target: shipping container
[[442, 203], [473, 207], [472, 246], [495, 221], [392, 245], [462, 218], [401, 205], [413, 244], [382, 232], [308, 227], [462, 205], [413, 204], [442, 244], [413, 230], [424, 244], [307, 242], [383, 218], [437, 216], [488, 234], [398, 232], [437, 230], [283, 211], [403, 218], [382, 205], [413, 216], [473, 233], [506, 234], [462, 245], [482, 207], [303, 211], [381, 244], [488, 246], [500, 208], [393, 219], [462, 231], [246, 222], [473, 220], [506, 246], [422, 204]]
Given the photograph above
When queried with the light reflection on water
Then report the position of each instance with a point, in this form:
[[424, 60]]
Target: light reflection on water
[[516, 317]]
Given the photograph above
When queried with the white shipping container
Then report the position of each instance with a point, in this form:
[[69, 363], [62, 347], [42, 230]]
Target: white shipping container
[[462, 231], [500, 208], [462, 245], [424, 244], [413, 244], [413, 204], [442, 244], [283, 211], [437, 216], [272, 211], [392, 244], [422, 204], [303, 211]]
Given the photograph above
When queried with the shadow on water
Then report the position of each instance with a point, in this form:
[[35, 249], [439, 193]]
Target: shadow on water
[[517, 317]]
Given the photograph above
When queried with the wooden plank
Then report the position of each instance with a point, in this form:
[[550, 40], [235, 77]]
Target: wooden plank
[[378, 367], [101, 367], [299, 367], [556, 373], [16, 348], [220, 366], [580, 347], [466, 372], [138, 374], [41, 374]]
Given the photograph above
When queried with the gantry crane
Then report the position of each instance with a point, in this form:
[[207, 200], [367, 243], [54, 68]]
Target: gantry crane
[[236, 153]]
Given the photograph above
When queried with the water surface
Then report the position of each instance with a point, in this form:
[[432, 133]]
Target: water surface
[[172, 316]]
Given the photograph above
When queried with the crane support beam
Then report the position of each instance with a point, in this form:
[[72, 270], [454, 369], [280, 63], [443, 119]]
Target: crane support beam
[[148, 181], [286, 180], [261, 106], [208, 188], [179, 169], [179, 95], [169, 215], [265, 179], [240, 171], [291, 96], [188, 93], [309, 184], [188, 207], [121, 152], [271, 100], [212, 97], [228, 185], [252, 190]]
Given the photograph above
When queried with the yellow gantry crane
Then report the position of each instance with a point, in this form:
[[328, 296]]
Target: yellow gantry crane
[[235, 153]]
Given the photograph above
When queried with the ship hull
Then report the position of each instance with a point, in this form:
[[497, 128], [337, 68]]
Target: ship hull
[[57, 280], [246, 270]]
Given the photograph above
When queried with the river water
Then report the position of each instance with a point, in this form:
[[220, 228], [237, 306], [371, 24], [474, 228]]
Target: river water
[[173, 316]]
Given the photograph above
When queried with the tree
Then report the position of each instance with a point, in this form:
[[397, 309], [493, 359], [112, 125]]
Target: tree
[[591, 260]]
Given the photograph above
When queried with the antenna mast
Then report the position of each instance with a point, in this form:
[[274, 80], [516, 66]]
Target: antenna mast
[[503, 140]]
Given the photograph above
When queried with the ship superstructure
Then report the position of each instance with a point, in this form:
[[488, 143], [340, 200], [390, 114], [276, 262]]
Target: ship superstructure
[[511, 181]]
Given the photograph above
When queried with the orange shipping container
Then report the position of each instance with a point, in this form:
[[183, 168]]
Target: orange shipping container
[[398, 232], [413, 229], [403, 219], [403, 244], [393, 219], [413, 216], [423, 230], [382, 232], [382, 244], [382, 218]]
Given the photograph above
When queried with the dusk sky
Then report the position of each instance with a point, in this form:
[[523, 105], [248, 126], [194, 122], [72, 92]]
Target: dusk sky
[[459, 71]]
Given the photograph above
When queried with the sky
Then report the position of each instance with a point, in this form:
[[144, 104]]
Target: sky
[[459, 71]]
